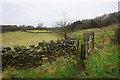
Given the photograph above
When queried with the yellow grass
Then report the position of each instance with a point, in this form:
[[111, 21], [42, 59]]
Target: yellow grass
[[23, 38], [38, 31]]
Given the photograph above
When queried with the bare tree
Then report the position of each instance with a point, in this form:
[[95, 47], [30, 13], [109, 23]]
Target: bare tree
[[63, 27], [40, 26]]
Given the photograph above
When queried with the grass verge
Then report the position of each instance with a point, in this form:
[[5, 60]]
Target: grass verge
[[61, 68]]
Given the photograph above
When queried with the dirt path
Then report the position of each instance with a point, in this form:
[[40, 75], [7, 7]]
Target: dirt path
[[79, 67]]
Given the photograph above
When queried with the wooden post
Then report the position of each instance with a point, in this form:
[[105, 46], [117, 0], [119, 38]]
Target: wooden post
[[43, 41], [82, 55], [43, 45], [116, 38], [85, 45], [93, 39], [77, 46], [103, 39], [84, 48]]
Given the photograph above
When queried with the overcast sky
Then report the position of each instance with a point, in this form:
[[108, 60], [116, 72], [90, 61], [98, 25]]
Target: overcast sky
[[32, 12]]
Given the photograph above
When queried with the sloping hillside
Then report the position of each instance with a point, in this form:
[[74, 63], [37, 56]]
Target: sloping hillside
[[102, 62]]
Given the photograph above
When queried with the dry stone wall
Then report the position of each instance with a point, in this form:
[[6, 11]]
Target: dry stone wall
[[22, 57]]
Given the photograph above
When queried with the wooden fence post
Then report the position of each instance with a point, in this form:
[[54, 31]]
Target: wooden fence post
[[116, 38], [88, 43], [43, 45], [43, 41], [103, 39], [93, 39], [77, 46], [85, 46], [83, 50], [82, 55]]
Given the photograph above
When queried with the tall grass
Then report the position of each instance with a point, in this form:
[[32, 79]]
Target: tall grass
[[102, 64], [61, 68], [103, 60]]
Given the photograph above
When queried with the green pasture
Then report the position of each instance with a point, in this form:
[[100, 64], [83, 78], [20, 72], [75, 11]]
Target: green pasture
[[38, 30], [103, 60], [23, 38]]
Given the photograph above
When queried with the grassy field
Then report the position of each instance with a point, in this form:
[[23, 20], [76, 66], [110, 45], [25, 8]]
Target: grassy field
[[38, 31], [23, 38], [102, 62]]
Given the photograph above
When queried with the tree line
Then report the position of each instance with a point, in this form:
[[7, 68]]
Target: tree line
[[8, 28], [100, 21]]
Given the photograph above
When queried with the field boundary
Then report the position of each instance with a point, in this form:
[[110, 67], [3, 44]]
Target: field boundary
[[37, 32], [88, 45], [22, 57], [51, 50]]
